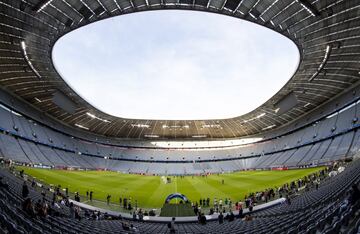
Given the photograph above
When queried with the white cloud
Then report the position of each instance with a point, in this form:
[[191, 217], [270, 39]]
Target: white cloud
[[175, 65]]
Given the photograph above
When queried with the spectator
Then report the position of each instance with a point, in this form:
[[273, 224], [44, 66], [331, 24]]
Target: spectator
[[87, 214], [3, 185], [38, 208], [196, 210], [53, 197], [152, 213], [141, 215], [94, 216], [91, 195], [132, 228], [221, 218], [57, 190], [43, 194], [77, 213], [240, 212], [72, 210], [44, 210], [355, 194], [53, 210], [108, 199], [202, 219], [344, 205], [247, 202], [25, 190], [171, 225], [28, 207], [211, 212], [251, 207], [125, 226], [230, 216], [288, 200], [77, 197], [125, 203], [248, 217]]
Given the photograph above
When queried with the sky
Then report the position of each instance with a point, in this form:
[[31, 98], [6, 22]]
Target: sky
[[170, 64]]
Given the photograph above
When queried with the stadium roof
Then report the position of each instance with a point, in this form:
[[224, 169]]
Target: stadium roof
[[327, 33]]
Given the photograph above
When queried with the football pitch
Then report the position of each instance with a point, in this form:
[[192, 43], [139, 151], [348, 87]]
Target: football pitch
[[151, 191]]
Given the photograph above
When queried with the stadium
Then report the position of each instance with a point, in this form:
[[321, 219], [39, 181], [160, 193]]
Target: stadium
[[291, 165]]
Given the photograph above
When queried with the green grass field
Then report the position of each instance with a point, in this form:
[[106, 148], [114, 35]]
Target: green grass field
[[151, 191]]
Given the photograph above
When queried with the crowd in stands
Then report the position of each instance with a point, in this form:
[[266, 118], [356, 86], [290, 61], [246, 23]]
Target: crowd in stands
[[3, 184], [52, 201], [224, 206], [288, 190]]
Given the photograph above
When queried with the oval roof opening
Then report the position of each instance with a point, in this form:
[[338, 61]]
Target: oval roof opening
[[175, 65]]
